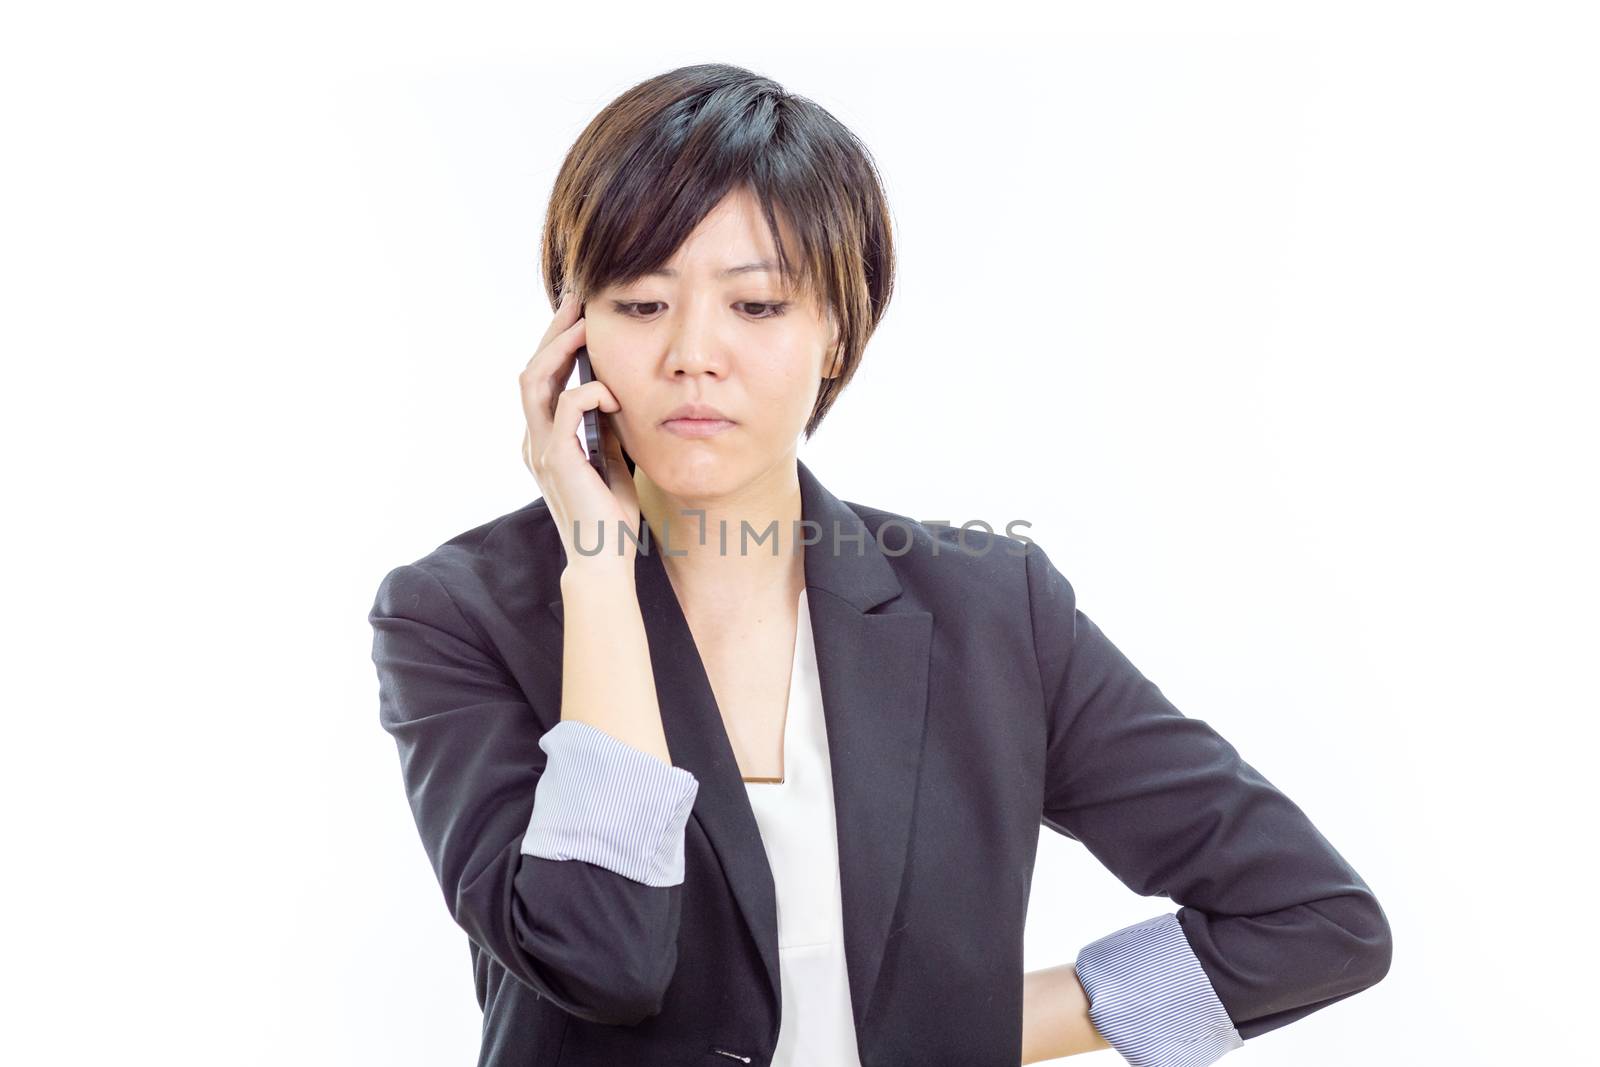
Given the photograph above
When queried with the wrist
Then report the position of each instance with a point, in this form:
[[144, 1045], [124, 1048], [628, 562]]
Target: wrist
[[598, 575]]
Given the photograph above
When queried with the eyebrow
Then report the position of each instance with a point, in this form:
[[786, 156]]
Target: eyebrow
[[742, 268]]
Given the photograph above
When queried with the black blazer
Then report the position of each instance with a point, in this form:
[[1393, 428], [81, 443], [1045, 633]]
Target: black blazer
[[968, 701]]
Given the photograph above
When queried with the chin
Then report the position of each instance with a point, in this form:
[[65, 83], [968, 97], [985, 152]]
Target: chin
[[696, 469]]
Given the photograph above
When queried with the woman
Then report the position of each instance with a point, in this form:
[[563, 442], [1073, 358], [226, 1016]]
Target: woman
[[713, 766]]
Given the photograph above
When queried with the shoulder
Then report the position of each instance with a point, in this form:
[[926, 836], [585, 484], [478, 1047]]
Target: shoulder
[[939, 563], [970, 572], [518, 554], [978, 580]]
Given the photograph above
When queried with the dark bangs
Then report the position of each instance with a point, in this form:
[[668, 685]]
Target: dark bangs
[[655, 161]]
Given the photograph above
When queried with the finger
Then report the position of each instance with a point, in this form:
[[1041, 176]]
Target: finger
[[568, 311], [556, 355], [616, 465], [571, 405], [543, 380]]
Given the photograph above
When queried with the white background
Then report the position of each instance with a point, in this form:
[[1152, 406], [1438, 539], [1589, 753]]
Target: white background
[[1277, 321]]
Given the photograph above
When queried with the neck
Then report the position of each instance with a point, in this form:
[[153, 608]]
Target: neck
[[714, 560]]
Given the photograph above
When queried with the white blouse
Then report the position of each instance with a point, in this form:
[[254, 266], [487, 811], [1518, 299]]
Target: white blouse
[[799, 832]]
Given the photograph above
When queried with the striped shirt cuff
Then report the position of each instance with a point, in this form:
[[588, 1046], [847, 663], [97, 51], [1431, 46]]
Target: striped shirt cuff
[[1150, 999], [605, 802]]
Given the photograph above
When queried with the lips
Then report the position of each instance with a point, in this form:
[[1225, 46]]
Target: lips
[[696, 412], [696, 427]]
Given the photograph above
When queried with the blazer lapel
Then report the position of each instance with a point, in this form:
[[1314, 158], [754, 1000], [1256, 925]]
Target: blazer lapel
[[873, 670]]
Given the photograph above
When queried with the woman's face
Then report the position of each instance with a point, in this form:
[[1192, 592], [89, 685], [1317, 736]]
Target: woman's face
[[738, 342]]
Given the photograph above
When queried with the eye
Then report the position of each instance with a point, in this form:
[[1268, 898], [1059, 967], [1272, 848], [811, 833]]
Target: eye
[[767, 310], [773, 310], [624, 308]]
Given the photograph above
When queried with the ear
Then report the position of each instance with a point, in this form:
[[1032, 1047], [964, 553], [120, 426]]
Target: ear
[[835, 361]]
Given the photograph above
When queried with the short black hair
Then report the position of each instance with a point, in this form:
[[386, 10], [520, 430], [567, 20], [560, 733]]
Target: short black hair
[[661, 156]]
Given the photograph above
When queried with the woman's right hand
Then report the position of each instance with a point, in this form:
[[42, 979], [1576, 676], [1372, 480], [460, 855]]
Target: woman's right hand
[[574, 490]]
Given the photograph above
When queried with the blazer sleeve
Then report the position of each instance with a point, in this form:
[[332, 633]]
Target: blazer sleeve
[[603, 801], [1273, 925], [559, 852]]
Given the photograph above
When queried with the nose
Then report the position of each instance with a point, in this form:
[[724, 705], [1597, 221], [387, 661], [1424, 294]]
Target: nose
[[696, 344]]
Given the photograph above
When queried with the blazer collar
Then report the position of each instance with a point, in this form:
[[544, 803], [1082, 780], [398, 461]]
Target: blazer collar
[[873, 670]]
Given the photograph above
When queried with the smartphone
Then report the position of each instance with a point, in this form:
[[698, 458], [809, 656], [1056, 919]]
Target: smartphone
[[592, 444], [591, 420]]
